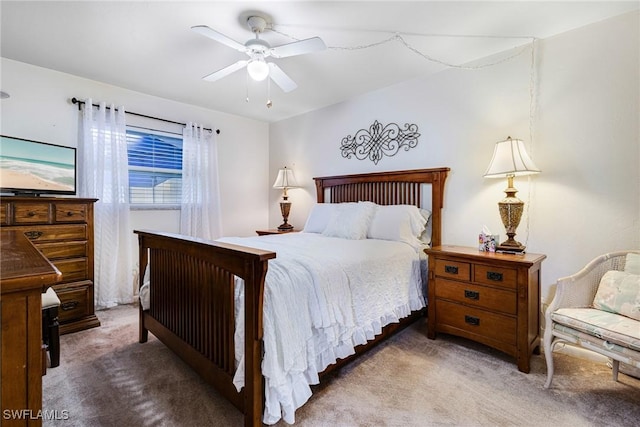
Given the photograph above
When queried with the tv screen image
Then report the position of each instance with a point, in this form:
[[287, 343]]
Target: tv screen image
[[32, 167]]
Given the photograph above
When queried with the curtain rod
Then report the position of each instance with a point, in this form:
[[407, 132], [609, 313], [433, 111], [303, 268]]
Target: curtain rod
[[75, 100]]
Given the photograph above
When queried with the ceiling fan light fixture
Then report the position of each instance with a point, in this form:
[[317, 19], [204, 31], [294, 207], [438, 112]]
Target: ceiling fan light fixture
[[258, 69], [258, 50]]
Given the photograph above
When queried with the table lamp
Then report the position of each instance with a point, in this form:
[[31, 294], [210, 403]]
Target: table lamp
[[285, 180], [510, 159]]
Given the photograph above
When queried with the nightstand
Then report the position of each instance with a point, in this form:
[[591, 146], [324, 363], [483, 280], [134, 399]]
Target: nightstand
[[487, 297], [274, 231]]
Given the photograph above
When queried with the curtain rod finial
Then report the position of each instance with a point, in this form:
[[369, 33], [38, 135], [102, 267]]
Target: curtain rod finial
[[75, 100]]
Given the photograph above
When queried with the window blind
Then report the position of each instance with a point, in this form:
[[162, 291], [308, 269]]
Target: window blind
[[155, 167]]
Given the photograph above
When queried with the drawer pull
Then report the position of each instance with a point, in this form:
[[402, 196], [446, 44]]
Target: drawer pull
[[70, 213], [33, 235], [472, 295], [451, 269], [496, 277], [474, 321], [66, 306], [31, 213]]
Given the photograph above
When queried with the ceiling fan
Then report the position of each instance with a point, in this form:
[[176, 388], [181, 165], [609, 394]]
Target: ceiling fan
[[258, 51]]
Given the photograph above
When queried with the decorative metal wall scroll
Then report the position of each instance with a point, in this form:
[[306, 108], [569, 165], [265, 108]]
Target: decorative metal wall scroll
[[379, 141]]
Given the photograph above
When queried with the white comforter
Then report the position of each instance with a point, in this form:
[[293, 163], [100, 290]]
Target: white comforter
[[323, 296]]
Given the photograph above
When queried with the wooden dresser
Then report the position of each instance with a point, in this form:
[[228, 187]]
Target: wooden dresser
[[62, 229], [488, 297], [24, 274]]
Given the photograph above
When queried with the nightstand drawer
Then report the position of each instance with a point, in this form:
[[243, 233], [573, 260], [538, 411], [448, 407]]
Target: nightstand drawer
[[478, 322], [478, 296], [453, 269], [495, 276]]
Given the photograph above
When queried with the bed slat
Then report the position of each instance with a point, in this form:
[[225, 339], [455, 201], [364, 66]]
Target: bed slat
[[200, 315]]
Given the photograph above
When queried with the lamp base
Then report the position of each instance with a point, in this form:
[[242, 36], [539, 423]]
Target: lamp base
[[285, 207], [510, 212], [507, 246]]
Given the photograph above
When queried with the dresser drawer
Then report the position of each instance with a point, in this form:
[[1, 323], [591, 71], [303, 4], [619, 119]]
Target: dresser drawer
[[31, 213], [3, 214], [494, 326], [73, 269], [478, 296], [453, 269], [495, 276], [58, 250], [48, 233], [70, 212], [75, 302]]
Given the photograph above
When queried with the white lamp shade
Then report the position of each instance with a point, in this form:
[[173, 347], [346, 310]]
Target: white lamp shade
[[510, 158], [286, 179], [258, 69]]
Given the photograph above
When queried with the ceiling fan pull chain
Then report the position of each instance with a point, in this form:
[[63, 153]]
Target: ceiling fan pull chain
[[269, 103], [247, 86]]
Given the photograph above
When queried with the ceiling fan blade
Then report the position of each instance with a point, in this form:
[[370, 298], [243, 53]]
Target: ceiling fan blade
[[219, 37], [300, 47], [280, 78], [224, 72]]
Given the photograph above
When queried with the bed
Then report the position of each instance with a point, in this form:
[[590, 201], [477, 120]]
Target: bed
[[194, 307]]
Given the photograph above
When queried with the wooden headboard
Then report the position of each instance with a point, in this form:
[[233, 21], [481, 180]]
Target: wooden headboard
[[388, 188]]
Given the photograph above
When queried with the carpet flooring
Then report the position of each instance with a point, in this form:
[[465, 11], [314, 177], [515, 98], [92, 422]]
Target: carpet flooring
[[106, 378]]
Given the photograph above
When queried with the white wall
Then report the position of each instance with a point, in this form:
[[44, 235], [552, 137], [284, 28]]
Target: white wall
[[585, 131], [40, 109]]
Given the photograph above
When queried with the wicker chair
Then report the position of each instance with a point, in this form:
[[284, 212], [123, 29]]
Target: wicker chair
[[577, 292]]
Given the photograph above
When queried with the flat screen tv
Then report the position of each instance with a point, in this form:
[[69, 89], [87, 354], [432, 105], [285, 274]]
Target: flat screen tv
[[35, 168]]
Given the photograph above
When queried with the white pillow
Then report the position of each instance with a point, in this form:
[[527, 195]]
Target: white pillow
[[632, 263], [401, 223], [350, 220], [319, 217]]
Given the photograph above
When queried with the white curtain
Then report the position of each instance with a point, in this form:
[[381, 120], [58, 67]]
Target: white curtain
[[104, 175], [200, 209]]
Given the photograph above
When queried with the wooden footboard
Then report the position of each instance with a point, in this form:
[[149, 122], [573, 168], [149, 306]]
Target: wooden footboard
[[192, 309]]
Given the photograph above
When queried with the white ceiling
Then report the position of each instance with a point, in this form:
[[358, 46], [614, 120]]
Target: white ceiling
[[148, 46]]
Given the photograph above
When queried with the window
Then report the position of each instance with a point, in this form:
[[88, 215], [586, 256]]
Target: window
[[155, 168]]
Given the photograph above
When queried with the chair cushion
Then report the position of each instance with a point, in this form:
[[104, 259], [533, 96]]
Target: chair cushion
[[603, 347], [619, 292], [50, 299], [610, 327]]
